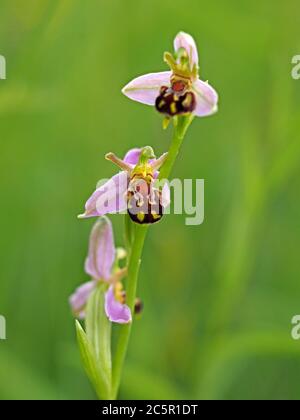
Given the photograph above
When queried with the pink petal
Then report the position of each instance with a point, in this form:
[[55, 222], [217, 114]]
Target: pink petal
[[109, 198], [206, 97], [102, 250], [80, 297], [116, 311], [187, 42], [145, 89], [132, 157]]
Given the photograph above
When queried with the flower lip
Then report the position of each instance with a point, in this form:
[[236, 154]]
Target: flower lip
[[172, 103]]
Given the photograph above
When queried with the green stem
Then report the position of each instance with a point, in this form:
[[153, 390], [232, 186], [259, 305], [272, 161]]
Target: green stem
[[180, 130], [133, 273], [134, 263]]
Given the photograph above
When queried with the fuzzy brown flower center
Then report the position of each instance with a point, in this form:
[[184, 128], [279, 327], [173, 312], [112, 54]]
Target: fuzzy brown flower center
[[176, 100]]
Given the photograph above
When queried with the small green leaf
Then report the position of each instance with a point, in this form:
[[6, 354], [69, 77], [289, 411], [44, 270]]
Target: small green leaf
[[98, 332], [91, 365]]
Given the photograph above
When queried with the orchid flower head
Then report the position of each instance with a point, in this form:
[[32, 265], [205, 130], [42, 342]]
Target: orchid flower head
[[180, 90], [102, 265], [132, 189]]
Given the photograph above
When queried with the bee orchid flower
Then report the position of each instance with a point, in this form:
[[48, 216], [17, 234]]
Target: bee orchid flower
[[102, 265], [180, 90], [133, 189]]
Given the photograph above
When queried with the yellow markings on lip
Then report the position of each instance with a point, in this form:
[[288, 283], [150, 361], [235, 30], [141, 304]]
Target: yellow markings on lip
[[162, 103], [187, 101], [120, 295], [173, 108], [141, 217], [155, 215]]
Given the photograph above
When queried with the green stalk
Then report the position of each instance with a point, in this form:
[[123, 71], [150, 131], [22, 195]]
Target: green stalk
[[180, 130], [135, 254], [133, 273]]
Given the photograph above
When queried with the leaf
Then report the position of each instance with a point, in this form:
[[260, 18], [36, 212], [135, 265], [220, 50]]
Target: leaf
[[90, 364], [98, 331]]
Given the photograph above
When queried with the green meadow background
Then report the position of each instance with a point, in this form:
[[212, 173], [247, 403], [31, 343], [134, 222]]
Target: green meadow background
[[219, 298]]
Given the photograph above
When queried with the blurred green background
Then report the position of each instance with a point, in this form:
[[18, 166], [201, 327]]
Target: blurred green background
[[219, 298]]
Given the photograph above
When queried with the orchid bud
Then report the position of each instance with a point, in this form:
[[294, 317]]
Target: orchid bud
[[138, 306]]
